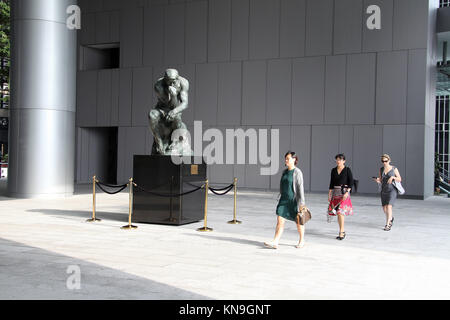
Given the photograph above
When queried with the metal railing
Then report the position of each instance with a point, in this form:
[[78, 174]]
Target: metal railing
[[444, 3]]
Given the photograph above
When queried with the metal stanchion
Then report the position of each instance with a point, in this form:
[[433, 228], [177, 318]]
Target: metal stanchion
[[234, 221], [130, 206], [205, 228], [93, 219]]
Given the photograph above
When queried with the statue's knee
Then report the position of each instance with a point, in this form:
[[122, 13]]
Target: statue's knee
[[154, 116]]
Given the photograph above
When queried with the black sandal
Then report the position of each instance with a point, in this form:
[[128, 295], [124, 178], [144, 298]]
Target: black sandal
[[339, 237], [389, 226]]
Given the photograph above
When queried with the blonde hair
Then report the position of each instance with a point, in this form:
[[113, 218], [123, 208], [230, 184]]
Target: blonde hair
[[385, 156]]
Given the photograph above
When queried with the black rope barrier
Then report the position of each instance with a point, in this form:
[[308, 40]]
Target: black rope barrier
[[111, 185], [165, 195], [121, 187], [223, 193], [222, 189]]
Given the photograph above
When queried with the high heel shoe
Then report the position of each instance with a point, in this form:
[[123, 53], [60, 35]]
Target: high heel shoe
[[339, 237], [389, 226]]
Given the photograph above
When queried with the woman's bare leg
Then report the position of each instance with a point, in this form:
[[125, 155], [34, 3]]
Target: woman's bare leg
[[388, 214], [279, 230], [301, 232], [341, 221]]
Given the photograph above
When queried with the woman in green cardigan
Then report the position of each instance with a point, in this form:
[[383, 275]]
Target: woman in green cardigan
[[291, 202]]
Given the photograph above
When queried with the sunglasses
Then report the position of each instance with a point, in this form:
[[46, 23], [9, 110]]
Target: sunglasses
[[384, 161]]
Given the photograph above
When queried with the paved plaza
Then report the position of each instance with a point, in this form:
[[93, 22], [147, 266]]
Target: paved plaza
[[41, 238]]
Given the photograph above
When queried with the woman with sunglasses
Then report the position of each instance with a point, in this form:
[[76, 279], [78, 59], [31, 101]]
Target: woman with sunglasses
[[386, 176], [291, 202], [341, 183]]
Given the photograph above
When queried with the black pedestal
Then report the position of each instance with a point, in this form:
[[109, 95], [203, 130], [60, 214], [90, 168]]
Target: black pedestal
[[160, 175]]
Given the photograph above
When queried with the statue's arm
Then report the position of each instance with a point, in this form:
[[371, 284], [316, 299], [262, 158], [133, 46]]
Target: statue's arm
[[160, 92], [184, 97]]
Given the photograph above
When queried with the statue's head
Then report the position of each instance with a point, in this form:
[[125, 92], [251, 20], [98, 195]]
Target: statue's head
[[170, 76]]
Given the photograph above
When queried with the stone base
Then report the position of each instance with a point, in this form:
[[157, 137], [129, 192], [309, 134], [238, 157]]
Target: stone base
[[157, 173]]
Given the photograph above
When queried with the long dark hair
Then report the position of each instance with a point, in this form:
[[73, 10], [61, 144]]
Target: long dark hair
[[293, 155]]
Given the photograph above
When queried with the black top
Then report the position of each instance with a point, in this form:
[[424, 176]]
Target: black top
[[345, 178]]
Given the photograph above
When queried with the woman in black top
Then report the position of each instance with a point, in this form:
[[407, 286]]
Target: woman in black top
[[341, 183]]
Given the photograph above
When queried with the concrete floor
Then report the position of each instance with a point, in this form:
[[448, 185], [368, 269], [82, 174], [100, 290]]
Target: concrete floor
[[41, 239]]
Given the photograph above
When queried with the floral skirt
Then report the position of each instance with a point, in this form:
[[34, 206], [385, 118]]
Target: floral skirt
[[345, 208]]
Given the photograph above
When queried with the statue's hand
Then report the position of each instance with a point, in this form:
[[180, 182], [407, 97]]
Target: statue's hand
[[171, 115], [172, 91]]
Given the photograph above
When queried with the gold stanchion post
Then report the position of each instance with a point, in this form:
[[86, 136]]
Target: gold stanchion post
[[234, 221], [205, 228], [93, 219], [129, 226]]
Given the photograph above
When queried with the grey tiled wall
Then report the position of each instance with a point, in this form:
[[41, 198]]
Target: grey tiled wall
[[308, 67]]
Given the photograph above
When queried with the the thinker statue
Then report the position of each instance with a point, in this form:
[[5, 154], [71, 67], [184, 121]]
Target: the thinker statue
[[172, 92]]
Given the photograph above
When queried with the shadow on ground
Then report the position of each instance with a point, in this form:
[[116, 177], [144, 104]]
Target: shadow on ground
[[83, 215], [41, 274]]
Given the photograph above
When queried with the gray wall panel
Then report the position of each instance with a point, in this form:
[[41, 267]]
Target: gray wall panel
[[125, 96], [219, 35], [78, 145], [417, 70], [325, 142], [142, 96], [413, 180], [221, 173], [114, 29], [131, 35], [174, 35], [308, 85], [153, 47], [284, 146], [87, 98], [379, 40], [366, 156], [87, 32], [267, 62], [104, 98], [196, 31], [360, 90], [392, 69], [102, 27], [264, 29], [230, 93], [206, 93], [121, 149], [346, 144], [84, 168], [292, 28], [335, 89], [428, 164], [410, 24], [301, 144], [188, 72], [115, 89], [254, 93], [131, 141], [394, 144], [279, 92], [253, 177], [347, 26], [319, 27], [240, 11]]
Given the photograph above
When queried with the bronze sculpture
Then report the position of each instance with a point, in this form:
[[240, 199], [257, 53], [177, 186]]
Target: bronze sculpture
[[165, 118]]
